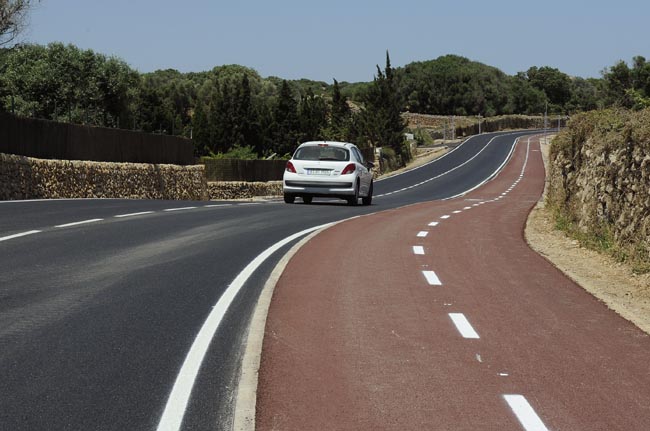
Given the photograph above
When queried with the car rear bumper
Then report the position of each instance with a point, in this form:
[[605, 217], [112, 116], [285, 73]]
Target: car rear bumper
[[300, 187]]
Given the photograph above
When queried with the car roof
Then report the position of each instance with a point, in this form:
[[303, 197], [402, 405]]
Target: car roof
[[329, 143]]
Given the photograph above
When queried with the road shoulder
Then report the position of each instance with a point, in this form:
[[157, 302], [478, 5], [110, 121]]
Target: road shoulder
[[615, 284]]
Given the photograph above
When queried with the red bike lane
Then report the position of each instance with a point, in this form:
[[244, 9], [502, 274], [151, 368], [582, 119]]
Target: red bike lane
[[438, 316]]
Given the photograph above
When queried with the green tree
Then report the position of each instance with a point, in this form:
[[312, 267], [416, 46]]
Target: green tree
[[380, 120], [13, 16], [555, 84], [312, 117], [339, 127], [286, 124]]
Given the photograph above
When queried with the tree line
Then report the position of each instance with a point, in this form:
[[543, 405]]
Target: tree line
[[232, 108]]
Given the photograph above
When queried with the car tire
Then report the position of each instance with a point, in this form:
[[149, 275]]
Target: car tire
[[307, 199], [289, 199], [368, 199], [352, 201]]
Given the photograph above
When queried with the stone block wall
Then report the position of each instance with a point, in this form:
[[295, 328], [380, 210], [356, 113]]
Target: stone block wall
[[600, 176], [29, 178], [227, 190]]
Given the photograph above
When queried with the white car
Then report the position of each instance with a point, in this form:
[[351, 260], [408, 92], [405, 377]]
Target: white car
[[331, 169]]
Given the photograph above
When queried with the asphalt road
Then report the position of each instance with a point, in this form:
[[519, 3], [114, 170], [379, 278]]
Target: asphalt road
[[101, 300], [455, 325]]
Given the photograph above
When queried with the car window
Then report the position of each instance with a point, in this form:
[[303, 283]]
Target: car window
[[359, 155], [322, 152]]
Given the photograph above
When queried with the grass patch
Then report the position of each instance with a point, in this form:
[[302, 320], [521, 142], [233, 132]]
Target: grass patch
[[601, 239]]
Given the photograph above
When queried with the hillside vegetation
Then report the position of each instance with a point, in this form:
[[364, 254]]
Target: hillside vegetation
[[231, 107]]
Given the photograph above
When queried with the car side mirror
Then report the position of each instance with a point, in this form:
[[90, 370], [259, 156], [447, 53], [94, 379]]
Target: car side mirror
[[370, 165]]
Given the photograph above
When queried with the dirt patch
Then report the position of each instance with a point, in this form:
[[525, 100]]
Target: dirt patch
[[615, 284]]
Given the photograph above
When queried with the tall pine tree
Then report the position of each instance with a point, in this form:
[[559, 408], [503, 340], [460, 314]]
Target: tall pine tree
[[380, 121]]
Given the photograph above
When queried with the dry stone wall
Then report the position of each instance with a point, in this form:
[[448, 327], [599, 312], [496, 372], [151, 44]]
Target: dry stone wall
[[600, 176], [29, 178], [243, 190]]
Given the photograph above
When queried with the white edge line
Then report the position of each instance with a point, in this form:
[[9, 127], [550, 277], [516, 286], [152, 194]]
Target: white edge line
[[172, 416], [217, 205], [245, 401], [80, 222], [18, 235], [428, 163], [180, 209], [133, 214], [463, 325], [494, 174], [525, 413], [432, 278], [418, 249]]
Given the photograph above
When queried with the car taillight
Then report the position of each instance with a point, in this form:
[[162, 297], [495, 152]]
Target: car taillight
[[349, 169], [290, 168]]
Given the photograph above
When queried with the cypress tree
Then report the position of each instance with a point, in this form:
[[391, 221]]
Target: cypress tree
[[380, 121]]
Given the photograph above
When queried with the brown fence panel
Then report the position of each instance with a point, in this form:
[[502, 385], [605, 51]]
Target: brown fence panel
[[244, 170], [51, 140]]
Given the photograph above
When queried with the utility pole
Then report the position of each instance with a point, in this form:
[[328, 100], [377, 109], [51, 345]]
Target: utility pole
[[479, 123]]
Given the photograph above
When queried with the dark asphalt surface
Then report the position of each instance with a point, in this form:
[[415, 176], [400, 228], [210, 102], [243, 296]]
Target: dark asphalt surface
[[96, 319]]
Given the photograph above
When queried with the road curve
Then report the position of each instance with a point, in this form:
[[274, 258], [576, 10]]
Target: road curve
[[102, 300], [439, 316]]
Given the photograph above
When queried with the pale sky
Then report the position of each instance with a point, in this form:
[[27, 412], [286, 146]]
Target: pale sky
[[339, 39]]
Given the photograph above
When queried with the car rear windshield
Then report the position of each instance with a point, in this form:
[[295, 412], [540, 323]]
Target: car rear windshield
[[322, 152]]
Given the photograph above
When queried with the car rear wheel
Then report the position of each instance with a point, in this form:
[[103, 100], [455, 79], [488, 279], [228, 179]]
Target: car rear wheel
[[307, 199], [289, 199], [368, 199], [355, 199]]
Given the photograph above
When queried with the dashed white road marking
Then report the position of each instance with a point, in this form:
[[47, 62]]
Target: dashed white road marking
[[463, 325], [432, 278], [18, 235], [94, 220], [433, 223], [525, 413], [444, 217], [179, 209], [422, 234], [418, 249], [134, 214], [456, 212]]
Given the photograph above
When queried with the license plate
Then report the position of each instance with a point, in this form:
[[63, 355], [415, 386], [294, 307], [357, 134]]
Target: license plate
[[325, 172]]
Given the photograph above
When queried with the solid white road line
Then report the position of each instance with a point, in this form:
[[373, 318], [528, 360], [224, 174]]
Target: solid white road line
[[18, 235], [80, 222], [180, 209], [217, 205], [172, 416], [418, 249], [134, 214], [422, 234], [525, 413], [463, 326], [432, 278]]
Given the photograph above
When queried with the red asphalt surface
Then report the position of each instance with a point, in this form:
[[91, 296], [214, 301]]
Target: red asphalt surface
[[357, 339]]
